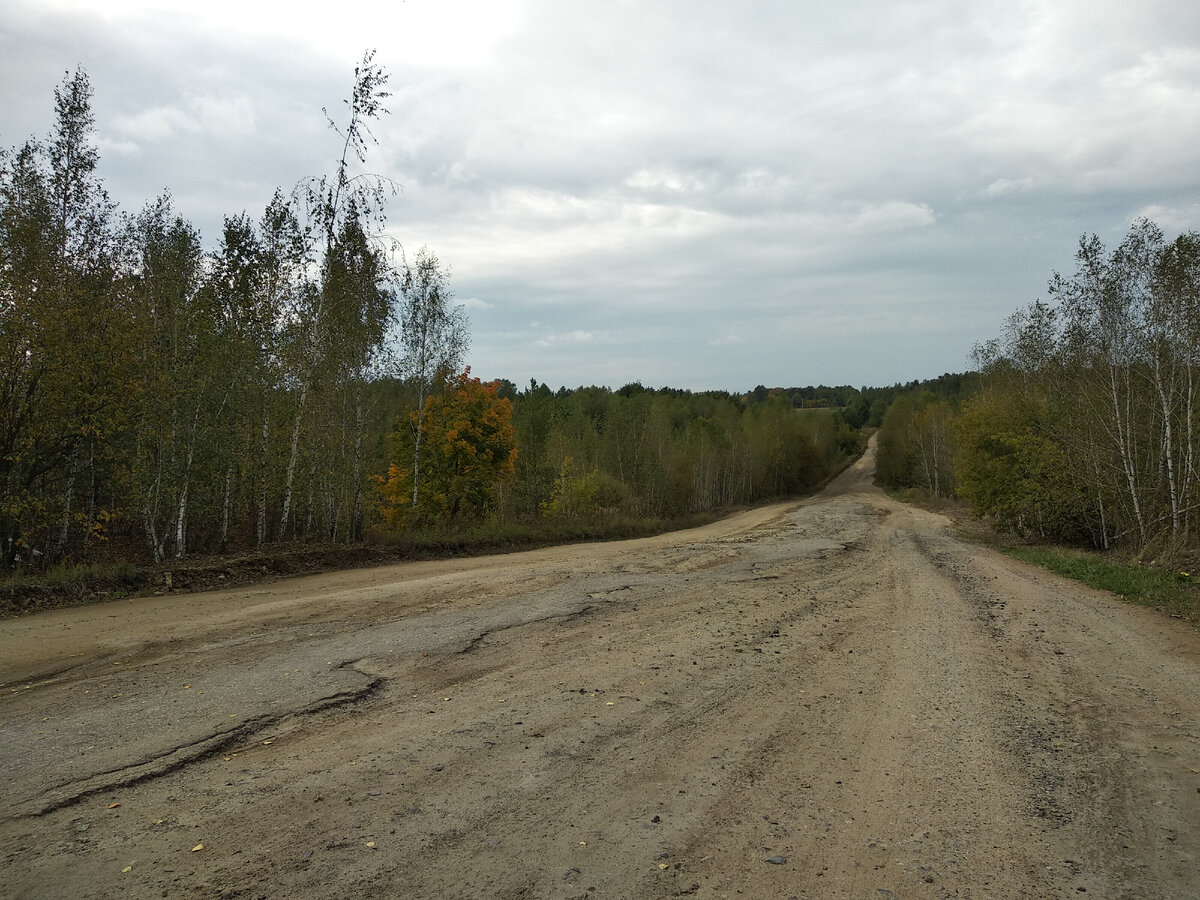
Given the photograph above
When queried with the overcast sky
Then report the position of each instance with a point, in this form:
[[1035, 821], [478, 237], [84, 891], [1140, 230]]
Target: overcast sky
[[695, 194]]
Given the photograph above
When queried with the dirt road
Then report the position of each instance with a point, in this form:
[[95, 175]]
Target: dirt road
[[836, 698]]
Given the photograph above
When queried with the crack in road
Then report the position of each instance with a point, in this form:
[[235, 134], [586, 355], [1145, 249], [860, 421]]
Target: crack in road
[[474, 643], [159, 764]]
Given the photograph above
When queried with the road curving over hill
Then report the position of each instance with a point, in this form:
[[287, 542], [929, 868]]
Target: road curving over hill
[[831, 698]]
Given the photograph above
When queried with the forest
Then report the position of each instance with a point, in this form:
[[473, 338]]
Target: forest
[[305, 380], [1080, 425]]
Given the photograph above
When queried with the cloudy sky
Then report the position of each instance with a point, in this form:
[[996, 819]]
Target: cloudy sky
[[700, 194]]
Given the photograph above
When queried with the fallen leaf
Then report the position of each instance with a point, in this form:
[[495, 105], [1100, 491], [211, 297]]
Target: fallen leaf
[[114, 805], [583, 843], [197, 848], [610, 703], [663, 866], [268, 742], [159, 821], [371, 844], [127, 869]]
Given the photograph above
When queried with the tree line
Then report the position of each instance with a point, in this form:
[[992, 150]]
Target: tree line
[[303, 380], [637, 451], [203, 399], [1082, 425]]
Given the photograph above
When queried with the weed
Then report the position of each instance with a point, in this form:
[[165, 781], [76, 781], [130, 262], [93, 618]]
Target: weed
[[1175, 593]]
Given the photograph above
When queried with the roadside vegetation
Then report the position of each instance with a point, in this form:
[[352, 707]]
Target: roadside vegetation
[[1081, 428], [1173, 592]]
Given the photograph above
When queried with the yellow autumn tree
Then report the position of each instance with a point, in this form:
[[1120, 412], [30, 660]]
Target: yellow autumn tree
[[469, 449]]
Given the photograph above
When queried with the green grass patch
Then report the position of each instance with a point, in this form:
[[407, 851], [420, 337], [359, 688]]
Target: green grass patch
[[1175, 593]]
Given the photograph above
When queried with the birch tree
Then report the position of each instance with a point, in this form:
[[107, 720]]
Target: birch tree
[[434, 339], [330, 202], [177, 378], [61, 326]]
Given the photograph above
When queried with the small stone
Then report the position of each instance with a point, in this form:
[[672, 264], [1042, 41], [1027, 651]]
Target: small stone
[[776, 860]]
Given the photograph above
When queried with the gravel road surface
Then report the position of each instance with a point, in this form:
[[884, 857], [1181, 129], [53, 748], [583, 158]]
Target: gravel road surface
[[832, 698]]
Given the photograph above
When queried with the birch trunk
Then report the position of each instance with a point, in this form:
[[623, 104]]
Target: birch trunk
[[1125, 449], [261, 526], [181, 512], [226, 503], [292, 457], [64, 533]]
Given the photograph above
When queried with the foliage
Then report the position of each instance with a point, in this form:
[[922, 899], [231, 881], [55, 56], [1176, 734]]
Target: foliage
[[470, 450], [1011, 469], [639, 452], [917, 443], [64, 360], [153, 392], [1116, 355], [434, 338], [584, 493]]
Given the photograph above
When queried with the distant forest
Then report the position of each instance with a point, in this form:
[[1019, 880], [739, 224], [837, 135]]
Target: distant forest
[[305, 381]]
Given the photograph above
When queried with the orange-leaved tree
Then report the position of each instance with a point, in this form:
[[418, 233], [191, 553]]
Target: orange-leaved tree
[[469, 449]]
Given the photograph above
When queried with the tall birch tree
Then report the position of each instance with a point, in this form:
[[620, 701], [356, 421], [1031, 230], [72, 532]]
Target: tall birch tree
[[434, 339]]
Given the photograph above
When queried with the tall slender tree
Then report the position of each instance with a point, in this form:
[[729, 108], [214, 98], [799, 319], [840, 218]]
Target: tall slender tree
[[434, 338], [330, 201], [61, 325]]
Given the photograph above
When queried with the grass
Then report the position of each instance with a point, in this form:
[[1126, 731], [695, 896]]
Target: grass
[[1175, 593]]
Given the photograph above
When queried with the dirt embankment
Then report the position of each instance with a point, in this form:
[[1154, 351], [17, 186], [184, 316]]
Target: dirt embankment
[[835, 698]]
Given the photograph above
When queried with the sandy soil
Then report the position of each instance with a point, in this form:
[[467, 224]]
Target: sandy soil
[[836, 698]]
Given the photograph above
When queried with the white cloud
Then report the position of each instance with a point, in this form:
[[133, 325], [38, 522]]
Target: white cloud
[[892, 216], [1003, 187], [575, 337], [211, 115], [225, 115], [107, 146], [434, 33], [157, 124]]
